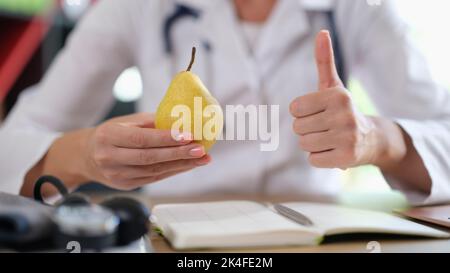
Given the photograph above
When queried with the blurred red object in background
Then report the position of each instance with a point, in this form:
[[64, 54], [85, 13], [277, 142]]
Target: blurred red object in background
[[20, 41], [22, 36]]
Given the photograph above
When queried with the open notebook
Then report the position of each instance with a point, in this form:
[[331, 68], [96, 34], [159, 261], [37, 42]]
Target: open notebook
[[250, 224]]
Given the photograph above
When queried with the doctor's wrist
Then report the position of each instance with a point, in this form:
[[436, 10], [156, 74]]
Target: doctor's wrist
[[391, 148], [64, 159], [400, 160]]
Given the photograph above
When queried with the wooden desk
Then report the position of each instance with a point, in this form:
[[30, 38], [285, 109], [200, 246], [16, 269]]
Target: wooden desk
[[388, 244]]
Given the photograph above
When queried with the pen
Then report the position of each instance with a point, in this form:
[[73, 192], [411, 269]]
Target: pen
[[293, 215]]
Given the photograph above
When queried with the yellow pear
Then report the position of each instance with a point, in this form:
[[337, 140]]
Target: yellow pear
[[188, 106]]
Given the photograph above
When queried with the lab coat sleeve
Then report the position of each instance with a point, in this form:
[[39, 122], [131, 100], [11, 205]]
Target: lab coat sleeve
[[380, 52], [75, 93]]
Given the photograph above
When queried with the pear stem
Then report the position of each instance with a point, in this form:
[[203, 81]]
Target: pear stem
[[192, 59]]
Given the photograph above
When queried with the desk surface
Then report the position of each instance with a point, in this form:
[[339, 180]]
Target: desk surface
[[388, 244]]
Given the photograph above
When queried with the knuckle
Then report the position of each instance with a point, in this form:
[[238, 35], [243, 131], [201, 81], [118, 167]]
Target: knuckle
[[313, 161], [114, 177], [350, 121], [296, 126], [306, 143], [146, 157], [303, 143], [293, 107], [156, 169], [137, 139], [101, 135], [343, 99], [178, 152], [101, 158]]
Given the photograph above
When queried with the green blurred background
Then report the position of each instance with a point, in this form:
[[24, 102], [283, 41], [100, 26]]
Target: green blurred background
[[26, 7]]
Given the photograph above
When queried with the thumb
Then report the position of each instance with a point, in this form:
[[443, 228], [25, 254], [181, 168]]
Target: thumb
[[326, 67]]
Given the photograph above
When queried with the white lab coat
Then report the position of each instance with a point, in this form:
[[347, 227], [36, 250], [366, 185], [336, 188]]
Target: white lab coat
[[118, 34]]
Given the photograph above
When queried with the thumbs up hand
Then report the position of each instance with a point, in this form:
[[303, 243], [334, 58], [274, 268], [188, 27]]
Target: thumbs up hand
[[330, 128]]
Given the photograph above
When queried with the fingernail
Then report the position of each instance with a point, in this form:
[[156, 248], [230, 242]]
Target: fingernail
[[197, 152], [182, 137], [325, 31], [203, 161]]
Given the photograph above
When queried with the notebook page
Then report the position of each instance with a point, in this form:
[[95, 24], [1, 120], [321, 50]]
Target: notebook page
[[334, 219], [221, 218]]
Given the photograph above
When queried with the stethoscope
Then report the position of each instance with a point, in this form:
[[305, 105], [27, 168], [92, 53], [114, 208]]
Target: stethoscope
[[183, 11]]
